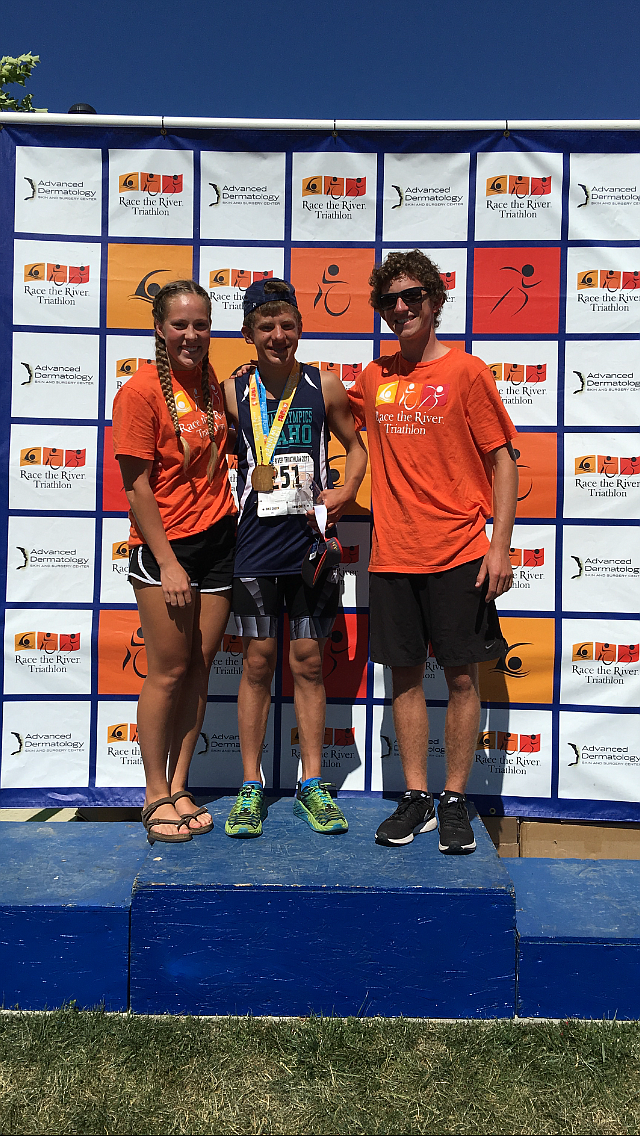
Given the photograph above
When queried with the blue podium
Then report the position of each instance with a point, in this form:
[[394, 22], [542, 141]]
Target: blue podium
[[579, 937], [295, 923], [65, 902]]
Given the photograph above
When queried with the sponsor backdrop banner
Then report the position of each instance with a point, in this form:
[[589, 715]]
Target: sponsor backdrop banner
[[537, 239]]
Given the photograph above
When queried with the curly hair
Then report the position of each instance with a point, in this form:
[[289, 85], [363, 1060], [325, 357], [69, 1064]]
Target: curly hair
[[160, 310], [415, 265], [274, 307]]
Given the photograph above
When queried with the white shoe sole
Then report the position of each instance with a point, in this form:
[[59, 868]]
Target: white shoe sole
[[459, 850], [428, 827]]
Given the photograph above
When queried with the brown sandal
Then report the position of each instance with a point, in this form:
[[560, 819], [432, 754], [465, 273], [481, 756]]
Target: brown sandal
[[179, 838], [186, 817]]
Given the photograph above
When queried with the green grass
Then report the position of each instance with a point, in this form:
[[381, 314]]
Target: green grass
[[72, 1072]]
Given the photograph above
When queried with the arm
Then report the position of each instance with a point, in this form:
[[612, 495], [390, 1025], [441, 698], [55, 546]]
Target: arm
[[341, 424], [231, 411], [175, 583], [496, 563]]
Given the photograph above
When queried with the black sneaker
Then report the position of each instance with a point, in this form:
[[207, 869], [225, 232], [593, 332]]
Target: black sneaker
[[456, 833], [415, 813]]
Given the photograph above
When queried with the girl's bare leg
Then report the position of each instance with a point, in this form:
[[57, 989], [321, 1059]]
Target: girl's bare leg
[[211, 615], [167, 635]]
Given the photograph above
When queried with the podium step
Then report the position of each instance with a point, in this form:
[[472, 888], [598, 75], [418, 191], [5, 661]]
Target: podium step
[[579, 937], [65, 898], [295, 922]]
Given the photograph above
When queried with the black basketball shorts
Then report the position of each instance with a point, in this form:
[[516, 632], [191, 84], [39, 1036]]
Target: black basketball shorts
[[410, 610]]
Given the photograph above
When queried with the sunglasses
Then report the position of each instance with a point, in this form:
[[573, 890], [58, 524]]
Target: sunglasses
[[408, 296]]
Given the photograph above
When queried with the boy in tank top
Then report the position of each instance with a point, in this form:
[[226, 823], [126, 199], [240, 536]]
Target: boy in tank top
[[283, 412]]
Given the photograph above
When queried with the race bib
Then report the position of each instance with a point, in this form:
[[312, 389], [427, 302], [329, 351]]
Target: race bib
[[292, 491]]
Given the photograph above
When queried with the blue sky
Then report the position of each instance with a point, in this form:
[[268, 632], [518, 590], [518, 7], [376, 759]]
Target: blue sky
[[334, 58]]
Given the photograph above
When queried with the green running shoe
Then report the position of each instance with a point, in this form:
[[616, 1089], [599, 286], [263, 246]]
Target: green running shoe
[[316, 805], [248, 813]]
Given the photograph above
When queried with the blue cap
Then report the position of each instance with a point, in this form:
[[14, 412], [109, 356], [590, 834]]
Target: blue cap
[[260, 293]]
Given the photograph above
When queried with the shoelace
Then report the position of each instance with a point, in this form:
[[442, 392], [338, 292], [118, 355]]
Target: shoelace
[[245, 810], [456, 814], [324, 799], [406, 802]]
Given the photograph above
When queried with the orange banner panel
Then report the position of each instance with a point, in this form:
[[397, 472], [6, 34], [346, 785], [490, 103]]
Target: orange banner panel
[[524, 671]]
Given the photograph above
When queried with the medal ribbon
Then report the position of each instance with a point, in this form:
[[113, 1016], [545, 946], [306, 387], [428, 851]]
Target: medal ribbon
[[266, 446]]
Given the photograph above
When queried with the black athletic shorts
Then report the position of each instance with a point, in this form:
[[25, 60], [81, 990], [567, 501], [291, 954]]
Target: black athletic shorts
[[206, 557], [410, 610], [257, 602]]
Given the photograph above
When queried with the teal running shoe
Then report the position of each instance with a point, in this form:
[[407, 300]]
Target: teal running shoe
[[248, 813], [317, 807]]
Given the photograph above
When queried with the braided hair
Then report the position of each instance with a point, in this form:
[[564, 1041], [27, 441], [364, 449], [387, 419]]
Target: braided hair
[[161, 304]]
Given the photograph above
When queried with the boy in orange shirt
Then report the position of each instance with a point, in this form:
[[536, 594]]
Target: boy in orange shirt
[[441, 464]]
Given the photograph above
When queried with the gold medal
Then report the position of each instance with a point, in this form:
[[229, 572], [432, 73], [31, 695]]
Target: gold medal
[[262, 478]]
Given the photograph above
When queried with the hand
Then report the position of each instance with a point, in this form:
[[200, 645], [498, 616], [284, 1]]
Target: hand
[[176, 586], [336, 501], [243, 369], [497, 566]]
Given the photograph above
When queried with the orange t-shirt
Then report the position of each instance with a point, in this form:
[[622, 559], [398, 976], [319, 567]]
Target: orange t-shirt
[[429, 426], [142, 428]]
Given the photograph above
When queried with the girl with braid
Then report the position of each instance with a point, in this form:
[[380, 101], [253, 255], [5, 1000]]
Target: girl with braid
[[169, 432]]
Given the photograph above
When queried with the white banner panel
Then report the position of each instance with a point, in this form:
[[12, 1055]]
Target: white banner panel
[[114, 583], [242, 193], [217, 760], [47, 651], [599, 757], [125, 353], [519, 197], [602, 476], [56, 283], [533, 558], [604, 197], [58, 190], [333, 197], [526, 374], [55, 376], [118, 758], [600, 662], [45, 744], [48, 561], [226, 273], [150, 193], [602, 382], [603, 289], [343, 752], [513, 755], [601, 570], [56, 464], [426, 197]]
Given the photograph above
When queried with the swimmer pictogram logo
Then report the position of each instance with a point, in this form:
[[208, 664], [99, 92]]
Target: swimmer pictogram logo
[[122, 732], [120, 550], [136, 273], [125, 368]]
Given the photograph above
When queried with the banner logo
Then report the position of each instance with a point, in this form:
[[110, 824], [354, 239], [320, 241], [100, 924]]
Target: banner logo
[[57, 273], [120, 550], [123, 732], [125, 368], [607, 465], [517, 185], [526, 557], [508, 742], [346, 372], [52, 456], [47, 641], [412, 396], [332, 737], [151, 184], [516, 373], [236, 277], [605, 652], [329, 186], [609, 280]]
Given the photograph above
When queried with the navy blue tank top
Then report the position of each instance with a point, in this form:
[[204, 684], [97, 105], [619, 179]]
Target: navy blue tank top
[[276, 546]]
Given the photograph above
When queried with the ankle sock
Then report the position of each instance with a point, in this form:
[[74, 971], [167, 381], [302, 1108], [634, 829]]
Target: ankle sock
[[309, 781]]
